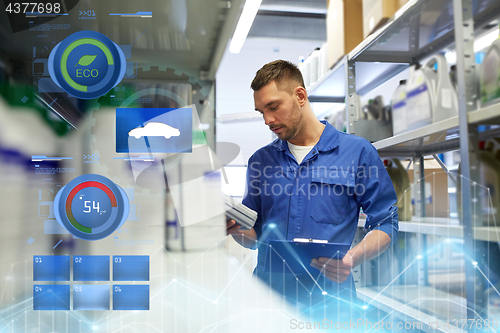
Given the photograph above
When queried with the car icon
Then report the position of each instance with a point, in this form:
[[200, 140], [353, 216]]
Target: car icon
[[155, 129]]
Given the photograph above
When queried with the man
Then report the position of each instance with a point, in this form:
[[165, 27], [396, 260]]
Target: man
[[311, 183]]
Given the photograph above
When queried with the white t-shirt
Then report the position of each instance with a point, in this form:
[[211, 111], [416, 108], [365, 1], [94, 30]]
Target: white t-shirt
[[299, 152]]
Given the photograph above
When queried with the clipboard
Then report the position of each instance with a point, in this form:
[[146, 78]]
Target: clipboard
[[295, 256]]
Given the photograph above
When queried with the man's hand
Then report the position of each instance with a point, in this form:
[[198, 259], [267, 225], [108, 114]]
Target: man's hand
[[232, 228], [246, 238], [335, 270], [374, 243]]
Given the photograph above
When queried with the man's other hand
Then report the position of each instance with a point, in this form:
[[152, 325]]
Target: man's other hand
[[231, 227], [246, 238], [335, 270]]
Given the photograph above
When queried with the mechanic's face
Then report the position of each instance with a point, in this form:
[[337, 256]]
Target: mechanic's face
[[280, 109]]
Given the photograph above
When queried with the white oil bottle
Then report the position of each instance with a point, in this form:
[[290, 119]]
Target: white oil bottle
[[430, 94], [398, 103], [490, 75]]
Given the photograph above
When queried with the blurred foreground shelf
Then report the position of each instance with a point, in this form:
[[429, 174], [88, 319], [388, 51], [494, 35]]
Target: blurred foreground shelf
[[425, 308]]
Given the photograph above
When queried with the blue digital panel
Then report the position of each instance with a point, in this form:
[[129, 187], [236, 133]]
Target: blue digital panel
[[154, 130], [131, 268], [131, 297], [50, 268], [51, 297], [91, 268], [91, 297]]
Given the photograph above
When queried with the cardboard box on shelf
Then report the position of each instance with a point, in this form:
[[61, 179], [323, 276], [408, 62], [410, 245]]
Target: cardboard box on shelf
[[437, 203], [376, 13], [401, 3], [344, 28]]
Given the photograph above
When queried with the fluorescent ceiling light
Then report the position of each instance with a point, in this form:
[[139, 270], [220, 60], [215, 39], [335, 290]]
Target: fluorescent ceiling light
[[239, 117], [244, 24], [293, 9]]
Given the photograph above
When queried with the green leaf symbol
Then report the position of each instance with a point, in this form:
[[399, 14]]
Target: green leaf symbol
[[86, 60]]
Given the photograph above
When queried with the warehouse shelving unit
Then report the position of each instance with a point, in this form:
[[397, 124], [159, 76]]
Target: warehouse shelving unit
[[419, 30]]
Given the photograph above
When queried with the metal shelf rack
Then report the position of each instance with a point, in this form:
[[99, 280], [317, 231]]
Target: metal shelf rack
[[445, 227], [438, 137]]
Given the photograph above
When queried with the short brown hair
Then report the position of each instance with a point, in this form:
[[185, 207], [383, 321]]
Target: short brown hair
[[280, 71]]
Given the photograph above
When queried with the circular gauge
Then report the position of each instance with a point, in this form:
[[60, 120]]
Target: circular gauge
[[91, 207], [87, 64]]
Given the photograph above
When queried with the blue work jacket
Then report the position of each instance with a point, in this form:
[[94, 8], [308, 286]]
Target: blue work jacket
[[321, 197]]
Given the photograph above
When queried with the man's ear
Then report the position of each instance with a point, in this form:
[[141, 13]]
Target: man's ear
[[301, 95]]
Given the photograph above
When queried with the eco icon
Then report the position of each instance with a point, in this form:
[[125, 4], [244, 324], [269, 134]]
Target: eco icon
[[87, 64]]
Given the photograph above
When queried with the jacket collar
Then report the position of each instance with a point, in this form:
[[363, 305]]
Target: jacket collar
[[329, 139]]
